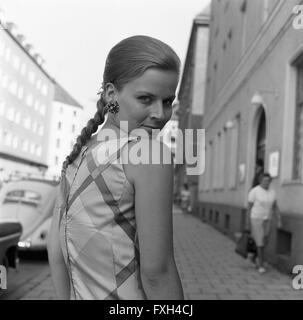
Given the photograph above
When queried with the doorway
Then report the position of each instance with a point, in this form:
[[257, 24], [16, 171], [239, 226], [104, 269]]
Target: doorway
[[259, 162]]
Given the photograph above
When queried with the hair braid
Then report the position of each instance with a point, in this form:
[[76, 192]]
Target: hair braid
[[86, 133]]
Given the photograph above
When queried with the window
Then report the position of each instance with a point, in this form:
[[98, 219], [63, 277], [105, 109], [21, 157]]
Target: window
[[4, 81], [36, 105], [25, 144], [10, 114], [38, 151], [18, 117], [7, 54], [243, 6], [216, 161], [226, 7], [75, 113], [27, 122], [73, 128], [15, 142], [61, 110], [16, 62], [58, 143], [59, 125], [216, 32], [224, 151], [209, 166], [41, 130], [214, 88], [44, 89], [31, 77], [230, 34], [2, 48], [7, 138], [2, 108], [56, 161], [42, 109], [26, 197], [20, 92], [266, 10], [244, 25], [32, 148], [298, 139], [29, 100], [38, 85], [23, 69], [234, 153], [35, 126], [13, 87]]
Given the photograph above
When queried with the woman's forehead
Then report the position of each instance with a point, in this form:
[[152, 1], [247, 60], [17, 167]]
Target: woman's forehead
[[155, 81]]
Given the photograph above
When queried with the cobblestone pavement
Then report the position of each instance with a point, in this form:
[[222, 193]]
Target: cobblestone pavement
[[208, 266], [211, 270]]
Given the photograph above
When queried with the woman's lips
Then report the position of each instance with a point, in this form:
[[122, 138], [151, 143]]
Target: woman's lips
[[151, 127]]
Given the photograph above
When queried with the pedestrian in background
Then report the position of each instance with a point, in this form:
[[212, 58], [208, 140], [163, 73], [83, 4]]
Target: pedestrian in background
[[262, 204], [185, 198], [112, 231]]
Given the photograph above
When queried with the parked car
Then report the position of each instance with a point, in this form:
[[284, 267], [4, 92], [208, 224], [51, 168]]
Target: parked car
[[29, 202], [10, 233]]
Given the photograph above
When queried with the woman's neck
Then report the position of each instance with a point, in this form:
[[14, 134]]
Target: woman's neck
[[111, 124]]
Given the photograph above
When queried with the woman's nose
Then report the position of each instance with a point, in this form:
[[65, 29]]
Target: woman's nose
[[158, 111]]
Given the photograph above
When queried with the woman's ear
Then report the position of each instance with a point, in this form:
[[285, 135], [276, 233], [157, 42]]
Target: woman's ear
[[110, 91]]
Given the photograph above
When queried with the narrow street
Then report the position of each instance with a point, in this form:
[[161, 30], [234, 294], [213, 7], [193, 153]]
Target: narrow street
[[208, 266], [33, 270]]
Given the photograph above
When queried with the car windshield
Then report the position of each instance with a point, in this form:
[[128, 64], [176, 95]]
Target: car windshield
[[27, 197]]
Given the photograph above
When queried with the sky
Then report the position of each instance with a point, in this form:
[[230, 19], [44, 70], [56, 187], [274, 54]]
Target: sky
[[75, 36]]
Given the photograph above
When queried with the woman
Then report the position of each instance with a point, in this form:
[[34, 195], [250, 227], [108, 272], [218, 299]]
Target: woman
[[262, 204], [111, 236]]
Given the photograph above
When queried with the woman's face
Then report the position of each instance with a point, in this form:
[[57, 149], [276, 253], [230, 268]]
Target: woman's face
[[265, 182], [146, 102]]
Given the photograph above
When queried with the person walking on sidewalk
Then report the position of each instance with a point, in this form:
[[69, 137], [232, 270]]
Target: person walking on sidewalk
[[112, 232], [262, 204], [185, 199]]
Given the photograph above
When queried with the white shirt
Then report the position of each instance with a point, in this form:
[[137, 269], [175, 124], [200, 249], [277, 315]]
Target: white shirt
[[262, 202], [185, 195]]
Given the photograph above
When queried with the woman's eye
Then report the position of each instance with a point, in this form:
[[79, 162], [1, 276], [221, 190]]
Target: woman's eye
[[145, 99], [169, 102]]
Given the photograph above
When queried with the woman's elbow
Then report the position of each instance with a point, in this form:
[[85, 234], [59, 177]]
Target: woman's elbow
[[154, 273]]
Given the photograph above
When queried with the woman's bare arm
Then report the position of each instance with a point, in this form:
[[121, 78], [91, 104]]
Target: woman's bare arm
[[57, 265], [153, 202]]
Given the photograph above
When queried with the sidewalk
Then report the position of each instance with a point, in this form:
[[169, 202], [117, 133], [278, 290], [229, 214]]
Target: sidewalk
[[209, 268]]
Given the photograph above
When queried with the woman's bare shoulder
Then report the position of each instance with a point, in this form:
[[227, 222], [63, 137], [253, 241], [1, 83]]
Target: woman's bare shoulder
[[147, 159]]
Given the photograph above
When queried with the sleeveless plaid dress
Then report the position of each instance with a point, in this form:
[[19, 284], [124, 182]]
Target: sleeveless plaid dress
[[97, 224]]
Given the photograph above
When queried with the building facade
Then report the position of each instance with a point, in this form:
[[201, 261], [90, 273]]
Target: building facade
[[65, 120], [26, 94], [253, 112], [191, 95], [169, 134]]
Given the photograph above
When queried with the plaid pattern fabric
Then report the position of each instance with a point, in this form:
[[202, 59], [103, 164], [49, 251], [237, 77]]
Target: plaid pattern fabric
[[97, 227]]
